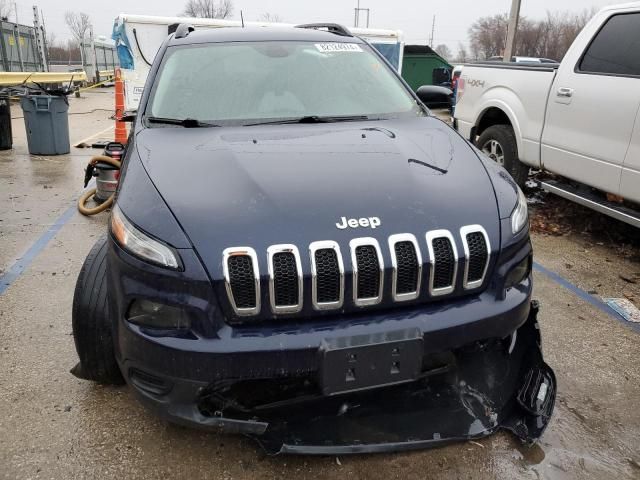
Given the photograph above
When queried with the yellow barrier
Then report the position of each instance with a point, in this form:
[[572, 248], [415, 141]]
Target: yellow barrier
[[96, 84], [18, 78], [106, 73]]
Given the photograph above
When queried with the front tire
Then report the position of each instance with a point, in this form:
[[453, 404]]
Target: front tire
[[92, 327], [499, 143]]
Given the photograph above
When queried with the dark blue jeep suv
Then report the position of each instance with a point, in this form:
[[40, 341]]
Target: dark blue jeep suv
[[301, 252]]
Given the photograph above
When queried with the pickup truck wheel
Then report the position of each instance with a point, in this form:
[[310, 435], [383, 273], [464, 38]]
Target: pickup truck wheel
[[499, 143], [92, 328]]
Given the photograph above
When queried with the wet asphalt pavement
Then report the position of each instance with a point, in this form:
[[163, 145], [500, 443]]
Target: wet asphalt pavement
[[54, 426]]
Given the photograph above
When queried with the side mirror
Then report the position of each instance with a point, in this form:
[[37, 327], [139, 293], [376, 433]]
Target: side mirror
[[435, 97]]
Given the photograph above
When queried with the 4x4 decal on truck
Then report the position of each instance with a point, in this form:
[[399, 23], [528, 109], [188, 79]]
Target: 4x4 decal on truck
[[475, 83]]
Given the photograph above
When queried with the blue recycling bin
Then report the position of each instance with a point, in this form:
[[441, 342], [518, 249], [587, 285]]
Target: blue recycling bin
[[46, 121]]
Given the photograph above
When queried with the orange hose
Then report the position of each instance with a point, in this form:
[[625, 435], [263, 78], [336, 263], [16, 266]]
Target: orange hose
[[90, 193]]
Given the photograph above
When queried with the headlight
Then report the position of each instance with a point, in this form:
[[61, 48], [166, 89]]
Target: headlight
[[520, 214], [140, 244]]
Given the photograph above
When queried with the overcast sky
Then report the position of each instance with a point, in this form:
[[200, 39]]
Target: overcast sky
[[453, 17]]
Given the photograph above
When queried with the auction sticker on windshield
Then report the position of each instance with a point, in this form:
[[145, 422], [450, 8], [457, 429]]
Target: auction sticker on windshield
[[338, 47]]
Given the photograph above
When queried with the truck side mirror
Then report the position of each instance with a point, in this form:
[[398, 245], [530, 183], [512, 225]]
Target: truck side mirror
[[435, 97]]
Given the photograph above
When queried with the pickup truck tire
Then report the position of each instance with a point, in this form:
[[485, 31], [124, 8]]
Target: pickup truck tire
[[91, 325], [499, 143]]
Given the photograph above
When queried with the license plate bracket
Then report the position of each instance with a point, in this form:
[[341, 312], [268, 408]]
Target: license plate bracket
[[362, 362]]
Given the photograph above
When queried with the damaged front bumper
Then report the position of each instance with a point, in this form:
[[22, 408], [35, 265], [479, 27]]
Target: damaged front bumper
[[463, 394]]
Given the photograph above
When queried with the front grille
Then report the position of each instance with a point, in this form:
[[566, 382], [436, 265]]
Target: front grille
[[477, 256], [367, 271], [327, 275], [407, 280], [240, 267], [328, 287], [242, 278], [444, 262], [407, 266], [285, 278], [476, 249]]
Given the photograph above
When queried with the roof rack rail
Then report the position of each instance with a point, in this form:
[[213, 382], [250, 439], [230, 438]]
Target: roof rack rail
[[330, 27], [183, 30]]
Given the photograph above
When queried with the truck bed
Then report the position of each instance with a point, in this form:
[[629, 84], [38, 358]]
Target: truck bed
[[518, 90], [514, 65]]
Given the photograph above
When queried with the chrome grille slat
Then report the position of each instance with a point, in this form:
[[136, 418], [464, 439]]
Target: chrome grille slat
[[442, 248], [368, 271], [477, 253], [326, 262], [242, 279], [403, 267], [285, 278]]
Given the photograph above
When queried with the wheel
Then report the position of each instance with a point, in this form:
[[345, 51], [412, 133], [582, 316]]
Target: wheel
[[499, 143], [92, 328]]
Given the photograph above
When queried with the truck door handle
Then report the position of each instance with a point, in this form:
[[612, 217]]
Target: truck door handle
[[565, 92]]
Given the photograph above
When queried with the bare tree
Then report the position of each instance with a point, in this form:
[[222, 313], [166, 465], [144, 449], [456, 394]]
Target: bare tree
[[270, 18], [550, 37], [5, 9], [78, 24], [443, 51], [462, 55], [63, 52], [487, 36], [208, 8]]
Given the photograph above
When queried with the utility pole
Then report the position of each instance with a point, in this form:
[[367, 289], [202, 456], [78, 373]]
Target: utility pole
[[433, 28], [512, 29], [44, 41], [94, 56], [40, 39], [356, 19]]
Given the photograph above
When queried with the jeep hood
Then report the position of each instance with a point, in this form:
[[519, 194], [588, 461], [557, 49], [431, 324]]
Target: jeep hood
[[272, 184]]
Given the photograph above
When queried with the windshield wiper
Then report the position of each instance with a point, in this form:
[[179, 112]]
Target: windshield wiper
[[312, 119], [185, 122]]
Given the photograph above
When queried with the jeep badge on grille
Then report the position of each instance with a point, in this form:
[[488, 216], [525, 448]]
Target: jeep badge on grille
[[371, 222]]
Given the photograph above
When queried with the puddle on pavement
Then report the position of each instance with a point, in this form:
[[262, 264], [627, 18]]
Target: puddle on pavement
[[569, 450]]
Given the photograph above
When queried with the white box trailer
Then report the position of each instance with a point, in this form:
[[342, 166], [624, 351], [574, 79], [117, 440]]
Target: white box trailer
[[138, 38]]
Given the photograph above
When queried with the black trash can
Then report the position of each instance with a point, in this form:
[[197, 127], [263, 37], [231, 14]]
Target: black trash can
[[6, 135]]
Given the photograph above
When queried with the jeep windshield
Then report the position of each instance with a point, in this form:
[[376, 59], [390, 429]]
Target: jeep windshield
[[249, 83]]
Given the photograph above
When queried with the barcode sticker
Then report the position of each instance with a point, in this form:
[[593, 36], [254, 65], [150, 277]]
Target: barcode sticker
[[338, 47]]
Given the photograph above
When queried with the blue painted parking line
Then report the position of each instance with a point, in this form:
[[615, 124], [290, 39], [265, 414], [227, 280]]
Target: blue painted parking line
[[14, 272], [596, 302]]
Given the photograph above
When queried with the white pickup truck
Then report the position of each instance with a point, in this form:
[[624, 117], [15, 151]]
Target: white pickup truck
[[579, 119]]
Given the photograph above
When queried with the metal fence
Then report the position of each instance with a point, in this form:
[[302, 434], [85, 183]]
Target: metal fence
[[99, 59], [19, 49]]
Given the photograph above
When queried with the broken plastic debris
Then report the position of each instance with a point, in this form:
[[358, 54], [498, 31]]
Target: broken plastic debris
[[624, 308], [542, 393]]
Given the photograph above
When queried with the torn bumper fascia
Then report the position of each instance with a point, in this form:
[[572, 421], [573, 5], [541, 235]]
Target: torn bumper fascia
[[501, 384]]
